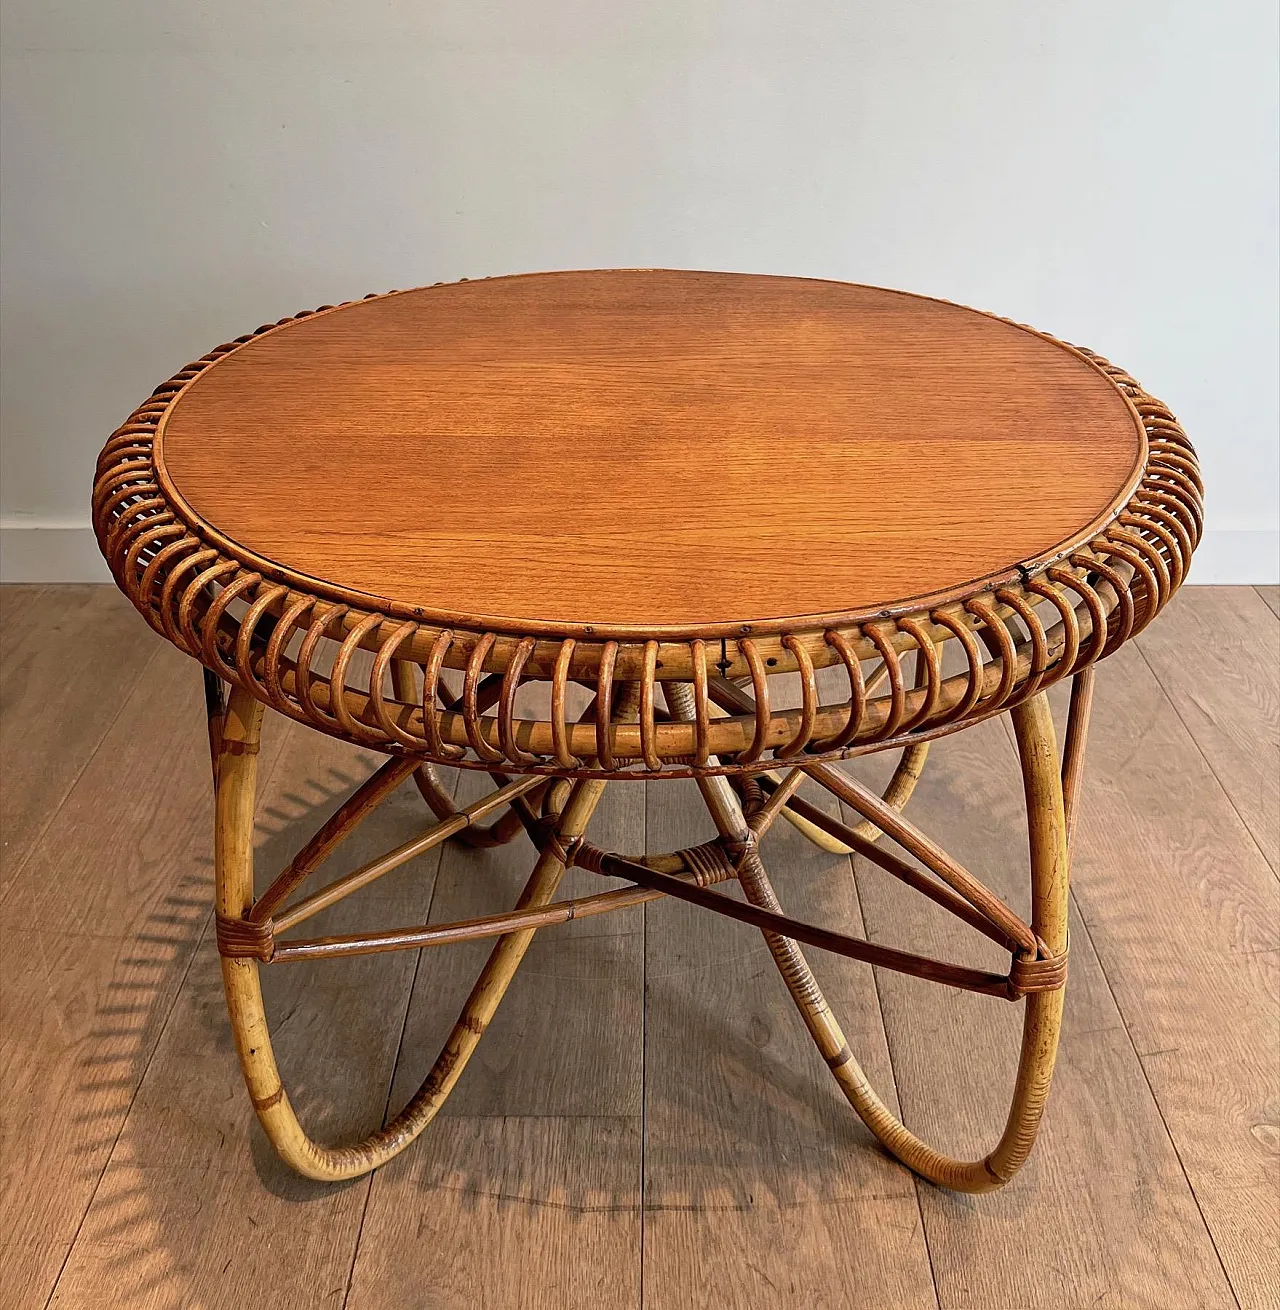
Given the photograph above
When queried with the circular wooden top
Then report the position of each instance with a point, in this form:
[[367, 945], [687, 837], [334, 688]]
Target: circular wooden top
[[649, 451]]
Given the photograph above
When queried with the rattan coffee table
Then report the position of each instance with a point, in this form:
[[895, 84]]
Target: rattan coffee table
[[579, 528]]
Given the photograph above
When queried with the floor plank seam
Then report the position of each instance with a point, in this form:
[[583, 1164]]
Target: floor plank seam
[[89, 757], [918, 1183], [395, 1068], [644, 1054], [1137, 1055], [1186, 727], [1155, 1100], [124, 1118], [164, 1026], [1266, 601]]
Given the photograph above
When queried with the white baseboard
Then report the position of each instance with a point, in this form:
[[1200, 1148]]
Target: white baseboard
[[50, 552], [67, 552]]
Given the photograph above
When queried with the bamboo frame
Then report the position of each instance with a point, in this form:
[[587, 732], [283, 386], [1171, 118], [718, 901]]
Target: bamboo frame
[[249, 929], [288, 643]]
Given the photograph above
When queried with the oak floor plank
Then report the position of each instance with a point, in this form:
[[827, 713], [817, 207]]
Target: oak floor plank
[[1101, 1214], [16, 601], [525, 1191], [1216, 653], [527, 1212], [761, 1186], [144, 800], [69, 657], [194, 1208], [101, 923], [1185, 915], [1271, 594]]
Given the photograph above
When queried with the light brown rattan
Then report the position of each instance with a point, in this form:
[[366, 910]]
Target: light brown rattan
[[697, 703]]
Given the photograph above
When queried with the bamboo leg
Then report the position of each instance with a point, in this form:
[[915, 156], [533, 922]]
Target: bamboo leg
[[1073, 749], [1033, 726], [236, 789], [898, 792]]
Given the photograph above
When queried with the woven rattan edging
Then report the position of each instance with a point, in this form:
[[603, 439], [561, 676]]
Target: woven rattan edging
[[293, 646]]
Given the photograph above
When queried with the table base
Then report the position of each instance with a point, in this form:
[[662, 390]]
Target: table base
[[555, 813]]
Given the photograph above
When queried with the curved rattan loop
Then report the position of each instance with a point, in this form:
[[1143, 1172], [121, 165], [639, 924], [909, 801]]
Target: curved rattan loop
[[604, 706], [166, 530], [928, 670], [377, 683], [857, 691], [156, 567], [245, 938], [1143, 557], [648, 725], [281, 634], [1093, 603], [266, 599], [1156, 509], [133, 543], [897, 686], [507, 704], [999, 639], [559, 717], [1042, 1018], [134, 498], [436, 746], [1035, 634], [212, 621], [168, 609], [132, 512], [338, 678], [306, 680], [1122, 621], [470, 702], [1066, 616], [963, 633], [809, 700], [199, 587], [760, 693], [1172, 560]]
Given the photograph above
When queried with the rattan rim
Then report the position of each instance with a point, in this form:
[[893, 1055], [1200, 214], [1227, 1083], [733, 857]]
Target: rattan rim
[[239, 622]]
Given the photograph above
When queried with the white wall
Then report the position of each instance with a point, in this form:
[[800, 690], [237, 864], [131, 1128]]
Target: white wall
[[176, 172]]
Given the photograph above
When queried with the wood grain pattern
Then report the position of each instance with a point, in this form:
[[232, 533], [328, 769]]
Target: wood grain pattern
[[564, 443], [99, 929], [1272, 596], [16, 601]]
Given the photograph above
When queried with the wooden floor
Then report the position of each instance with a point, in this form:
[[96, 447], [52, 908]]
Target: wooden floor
[[646, 1122]]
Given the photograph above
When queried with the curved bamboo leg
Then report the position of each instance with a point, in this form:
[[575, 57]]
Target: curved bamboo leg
[[897, 793], [236, 790], [1033, 725]]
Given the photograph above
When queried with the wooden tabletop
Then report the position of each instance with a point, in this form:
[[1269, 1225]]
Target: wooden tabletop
[[649, 450]]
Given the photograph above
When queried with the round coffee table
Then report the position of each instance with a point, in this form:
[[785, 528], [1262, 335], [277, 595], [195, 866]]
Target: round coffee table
[[577, 528]]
